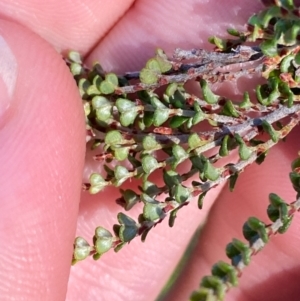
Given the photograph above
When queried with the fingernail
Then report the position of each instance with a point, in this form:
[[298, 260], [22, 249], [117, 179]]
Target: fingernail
[[8, 76]]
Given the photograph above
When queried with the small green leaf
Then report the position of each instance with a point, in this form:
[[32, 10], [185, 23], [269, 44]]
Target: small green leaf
[[288, 4], [282, 207], [261, 95], [106, 87], [286, 63], [181, 193], [229, 109], [246, 103], [223, 151], [172, 217], [153, 64], [269, 47], [257, 225], [178, 100], [93, 90], [124, 105], [149, 164], [295, 179], [148, 76], [198, 162], [287, 92], [75, 57], [295, 165], [103, 108], [121, 153], [113, 138], [153, 212], [148, 199], [200, 199], [150, 188], [274, 93], [128, 229], [267, 15], [121, 172], [81, 249], [232, 181], [128, 118], [172, 88], [179, 153], [297, 58], [130, 197], [220, 43], [145, 233], [195, 141], [270, 130], [233, 32], [198, 117], [177, 121], [102, 232], [148, 119], [171, 178], [128, 111], [225, 271], [261, 157], [244, 151], [103, 240], [160, 116], [97, 183], [119, 247], [83, 85], [76, 69], [96, 256], [150, 144], [112, 78], [97, 79], [157, 103], [254, 229], [216, 285], [208, 95], [164, 65], [275, 200], [210, 172], [201, 294], [124, 219], [238, 251], [249, 233]]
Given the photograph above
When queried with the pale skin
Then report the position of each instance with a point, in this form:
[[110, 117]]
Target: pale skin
[[42, 161]]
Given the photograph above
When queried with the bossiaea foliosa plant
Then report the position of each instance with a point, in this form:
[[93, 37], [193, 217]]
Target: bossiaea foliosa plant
[[148, 121]]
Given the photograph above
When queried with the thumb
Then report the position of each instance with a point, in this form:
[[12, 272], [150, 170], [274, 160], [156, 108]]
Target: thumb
[[41, 161]]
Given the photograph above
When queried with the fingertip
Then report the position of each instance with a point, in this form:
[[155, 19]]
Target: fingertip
[[41, 158]]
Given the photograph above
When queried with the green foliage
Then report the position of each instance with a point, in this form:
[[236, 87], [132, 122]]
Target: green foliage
[[81, 249], [208, 95], [141, 132], [128, 228], [103, 240], [109, 84]]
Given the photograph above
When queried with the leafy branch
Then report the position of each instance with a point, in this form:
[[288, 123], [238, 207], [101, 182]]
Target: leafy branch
[[138, 130], [257, 233]]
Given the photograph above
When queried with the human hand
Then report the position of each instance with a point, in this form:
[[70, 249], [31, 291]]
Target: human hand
[[42, 154]]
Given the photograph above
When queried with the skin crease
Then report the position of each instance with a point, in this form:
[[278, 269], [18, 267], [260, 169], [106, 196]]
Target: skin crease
[[40, 185]]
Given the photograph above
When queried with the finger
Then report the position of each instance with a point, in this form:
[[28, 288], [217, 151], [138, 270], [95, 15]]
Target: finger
[[41, 158], [275, 271], [67, 24], [139, 271], [167, 25]]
